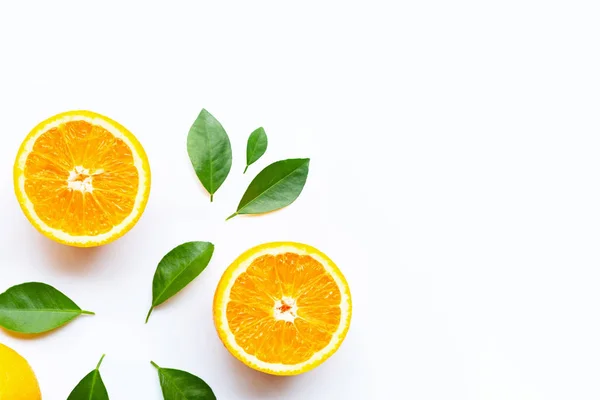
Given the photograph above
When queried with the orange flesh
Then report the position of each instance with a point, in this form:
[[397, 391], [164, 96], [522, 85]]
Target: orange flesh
[[109, 168], [256, 297]]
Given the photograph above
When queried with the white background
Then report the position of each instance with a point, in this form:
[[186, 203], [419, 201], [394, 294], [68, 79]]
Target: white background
[[454, 179]]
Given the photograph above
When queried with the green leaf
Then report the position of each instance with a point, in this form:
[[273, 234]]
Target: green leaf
[[181, 385], [275, 187], [177, 269], [210, 151], [36, 308], [90, 387], [257, 145]]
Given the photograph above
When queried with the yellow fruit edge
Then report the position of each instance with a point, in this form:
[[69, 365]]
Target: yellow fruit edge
[[242, 262], [19, 170], [24, 374]]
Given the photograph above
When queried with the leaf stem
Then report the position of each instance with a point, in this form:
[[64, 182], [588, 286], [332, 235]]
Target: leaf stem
[[154, 364], [88, 312], [149, 312], [211, 197], [231, 216], [246, 169], [100, 362]]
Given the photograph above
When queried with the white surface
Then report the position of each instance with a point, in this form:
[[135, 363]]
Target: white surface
[[454, 179]]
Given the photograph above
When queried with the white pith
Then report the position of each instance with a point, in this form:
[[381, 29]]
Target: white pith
[[83, 186], [288, 315], [345, 308]]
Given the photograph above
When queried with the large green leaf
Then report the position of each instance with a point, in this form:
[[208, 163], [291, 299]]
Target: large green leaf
[[91, 387], [256, 147], [181, 385], [275, 187], [177, 269], [36, 308], [209, 150]]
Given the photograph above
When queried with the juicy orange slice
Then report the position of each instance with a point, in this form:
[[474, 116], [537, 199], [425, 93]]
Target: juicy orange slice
[[282, 308], [82, 179]]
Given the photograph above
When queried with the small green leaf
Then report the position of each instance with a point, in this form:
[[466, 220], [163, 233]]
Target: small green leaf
[[181, 385], [36, 308], [257, 145], [275, 187], [177, 269], [90, 387], [209, 150]]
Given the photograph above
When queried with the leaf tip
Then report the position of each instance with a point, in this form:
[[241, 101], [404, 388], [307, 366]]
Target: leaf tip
[[306, 161], [231, 216], [154, 365], [246, 169], [88, 312], [100, 362], [149, 312]]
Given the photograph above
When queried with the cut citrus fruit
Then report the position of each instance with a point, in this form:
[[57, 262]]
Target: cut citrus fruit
[[282, 308], [17, 379], [82, 179]]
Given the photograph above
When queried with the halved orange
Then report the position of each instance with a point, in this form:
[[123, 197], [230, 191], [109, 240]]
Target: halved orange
[[282, 308], [82, 179]]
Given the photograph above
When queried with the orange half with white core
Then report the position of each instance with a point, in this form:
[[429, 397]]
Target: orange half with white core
[[282, 308], [82, 179]]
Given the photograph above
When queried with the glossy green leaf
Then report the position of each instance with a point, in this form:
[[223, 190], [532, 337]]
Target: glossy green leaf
[[90, 387], [181, 385], [209, 150], [177, 269], [36, 308], [257, 145], [275, 187]]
